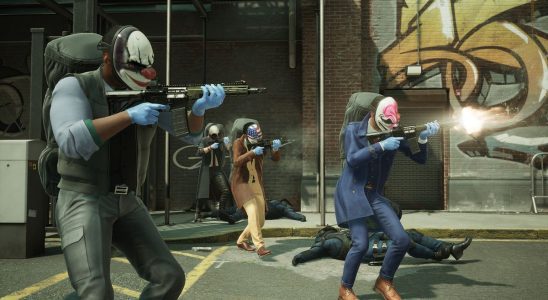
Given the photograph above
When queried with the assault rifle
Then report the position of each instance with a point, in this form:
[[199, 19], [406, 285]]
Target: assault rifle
[[177, 97], [406, 132], [174, 95], [267, 143]]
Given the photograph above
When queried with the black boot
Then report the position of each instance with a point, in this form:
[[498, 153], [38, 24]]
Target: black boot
[[296, 260], [443, 252], [198, 217], [458, 249], [226, 217]]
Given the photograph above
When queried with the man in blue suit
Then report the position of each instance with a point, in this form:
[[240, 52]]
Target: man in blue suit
[[368, 165]]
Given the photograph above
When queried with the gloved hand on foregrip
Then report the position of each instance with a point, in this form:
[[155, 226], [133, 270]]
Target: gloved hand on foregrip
[[391, 143], [146, 113], [226, 141], [258, 150], [276, 144], [213, 96], [431, 129], [214, 146]]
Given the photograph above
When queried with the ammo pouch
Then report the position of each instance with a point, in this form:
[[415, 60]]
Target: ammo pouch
[[47, 169]]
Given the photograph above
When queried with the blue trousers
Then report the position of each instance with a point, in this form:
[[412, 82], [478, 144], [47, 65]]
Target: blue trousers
[[391, 225], [424, 246]]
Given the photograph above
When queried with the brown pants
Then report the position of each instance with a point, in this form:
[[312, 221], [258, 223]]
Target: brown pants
[[255, 209]]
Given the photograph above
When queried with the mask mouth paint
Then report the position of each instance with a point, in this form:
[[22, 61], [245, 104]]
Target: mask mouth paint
[[138, 82], [387, 116]]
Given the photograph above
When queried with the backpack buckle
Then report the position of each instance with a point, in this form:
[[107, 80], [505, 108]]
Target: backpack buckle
[[121, 189]]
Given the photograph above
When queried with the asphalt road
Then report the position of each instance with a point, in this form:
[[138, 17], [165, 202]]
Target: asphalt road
[[488, 270]]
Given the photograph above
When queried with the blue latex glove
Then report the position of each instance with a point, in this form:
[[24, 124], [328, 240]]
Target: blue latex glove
[[214, 146], [391, 143], [276, 144], [258, 150], [431, 129], [146, 113], [226, 140], [213, 96]]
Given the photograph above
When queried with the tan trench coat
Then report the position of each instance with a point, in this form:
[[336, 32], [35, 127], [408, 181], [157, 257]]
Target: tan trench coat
[[240, 175]]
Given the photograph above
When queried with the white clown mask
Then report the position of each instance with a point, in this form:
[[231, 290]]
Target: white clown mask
[[387, 116], [213, 132], [132, 58]]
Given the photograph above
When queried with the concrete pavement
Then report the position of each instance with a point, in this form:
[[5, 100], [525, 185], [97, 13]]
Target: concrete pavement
[[439, 224]]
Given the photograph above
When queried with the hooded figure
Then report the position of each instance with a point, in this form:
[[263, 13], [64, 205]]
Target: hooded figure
[[211, 179]]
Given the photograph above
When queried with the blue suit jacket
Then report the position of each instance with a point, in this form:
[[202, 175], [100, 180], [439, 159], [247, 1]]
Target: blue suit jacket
[[350, 199]]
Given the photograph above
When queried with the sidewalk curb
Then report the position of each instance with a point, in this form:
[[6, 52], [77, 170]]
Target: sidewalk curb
[[309, 232]]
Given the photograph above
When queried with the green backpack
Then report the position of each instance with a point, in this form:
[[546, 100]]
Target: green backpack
[[357, 107], [75, 53]]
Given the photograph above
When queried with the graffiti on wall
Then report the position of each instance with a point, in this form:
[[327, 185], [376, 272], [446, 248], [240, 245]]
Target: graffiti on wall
[[491, 56]]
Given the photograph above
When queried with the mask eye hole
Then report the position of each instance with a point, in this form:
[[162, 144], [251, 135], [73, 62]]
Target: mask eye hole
[[387, 121], [134, 66]]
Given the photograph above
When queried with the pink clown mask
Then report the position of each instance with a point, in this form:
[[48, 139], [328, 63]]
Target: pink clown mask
[[387, 116]]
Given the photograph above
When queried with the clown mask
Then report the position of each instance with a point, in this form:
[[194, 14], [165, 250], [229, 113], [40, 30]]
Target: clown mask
[[387, 116], [132, 58], [254, 134]]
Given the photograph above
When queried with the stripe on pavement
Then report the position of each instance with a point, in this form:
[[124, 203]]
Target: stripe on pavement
[[201, 268], [36, 287], [125, 291], [188, 254]]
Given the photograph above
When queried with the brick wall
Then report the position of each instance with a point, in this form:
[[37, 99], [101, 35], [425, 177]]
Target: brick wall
[[238, 49], [342, 63], [278, 111], [361, 38]]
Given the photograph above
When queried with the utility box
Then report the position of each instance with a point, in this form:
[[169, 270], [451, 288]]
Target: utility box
[[23, 202]]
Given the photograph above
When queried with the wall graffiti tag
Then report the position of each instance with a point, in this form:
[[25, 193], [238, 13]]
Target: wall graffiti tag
[[490, 56]]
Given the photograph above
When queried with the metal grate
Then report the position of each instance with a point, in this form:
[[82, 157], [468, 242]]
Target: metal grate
[[411, 185]]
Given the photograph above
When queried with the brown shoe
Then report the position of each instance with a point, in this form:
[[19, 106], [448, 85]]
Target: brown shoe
[[346, 293], [263, 251], [245, 246], [386, 289]]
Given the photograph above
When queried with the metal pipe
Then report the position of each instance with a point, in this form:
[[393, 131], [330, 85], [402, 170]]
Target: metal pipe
[[84, 13], [36, 82], [204, 47], [56, 8], [418, 35], [176, 38], [322, 121], [200, 8], [539, 155], [292, 33], [106, 16], [167, 199]]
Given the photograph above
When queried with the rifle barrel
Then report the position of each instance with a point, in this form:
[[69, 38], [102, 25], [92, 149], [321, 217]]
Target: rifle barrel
[[188, 92]]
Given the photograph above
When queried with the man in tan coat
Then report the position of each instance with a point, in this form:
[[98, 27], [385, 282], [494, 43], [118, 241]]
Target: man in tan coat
[[247, 184]]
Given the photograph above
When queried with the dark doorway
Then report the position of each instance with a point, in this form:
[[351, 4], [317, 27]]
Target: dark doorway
[[414, 186]]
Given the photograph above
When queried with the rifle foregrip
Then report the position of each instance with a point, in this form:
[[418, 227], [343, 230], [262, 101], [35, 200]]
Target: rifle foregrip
[[420, 128]]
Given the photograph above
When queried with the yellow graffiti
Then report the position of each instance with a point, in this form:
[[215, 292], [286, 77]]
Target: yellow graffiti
[[468, 40]]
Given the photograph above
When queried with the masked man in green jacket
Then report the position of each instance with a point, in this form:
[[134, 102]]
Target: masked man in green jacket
[[103, 157]]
